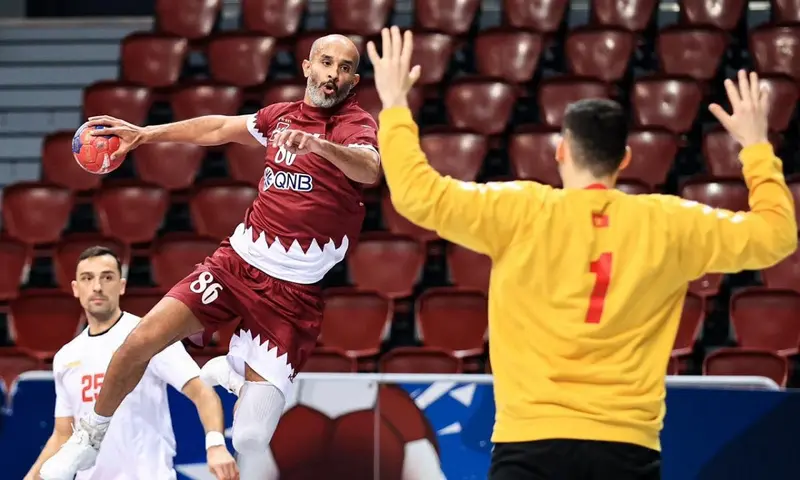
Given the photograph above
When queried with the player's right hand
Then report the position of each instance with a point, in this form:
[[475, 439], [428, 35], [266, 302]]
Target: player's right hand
[[130, 135], [748, 124], [221, 463]]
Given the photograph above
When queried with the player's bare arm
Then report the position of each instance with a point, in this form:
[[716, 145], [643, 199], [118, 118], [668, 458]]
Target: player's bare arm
[[722, 241], [358, 164], [209, 407], [208, 130], [61, 433]]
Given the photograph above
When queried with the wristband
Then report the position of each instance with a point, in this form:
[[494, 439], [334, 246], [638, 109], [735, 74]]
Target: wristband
[[214, 439]]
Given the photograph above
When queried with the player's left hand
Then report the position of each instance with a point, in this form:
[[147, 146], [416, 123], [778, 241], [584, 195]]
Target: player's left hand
[[394, 76], [296, 141], [221, 463]]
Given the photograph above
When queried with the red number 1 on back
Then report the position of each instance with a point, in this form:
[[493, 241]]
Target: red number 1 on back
[[602, 270]]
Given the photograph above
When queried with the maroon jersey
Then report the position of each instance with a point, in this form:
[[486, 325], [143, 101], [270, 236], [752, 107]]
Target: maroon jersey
[[307, 212]]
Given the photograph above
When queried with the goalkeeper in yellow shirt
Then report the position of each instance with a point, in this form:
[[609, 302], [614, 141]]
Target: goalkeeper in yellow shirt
[[587, 282]]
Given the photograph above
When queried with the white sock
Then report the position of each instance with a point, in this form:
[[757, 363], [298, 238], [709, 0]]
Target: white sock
[[256, 418], [96, 420]]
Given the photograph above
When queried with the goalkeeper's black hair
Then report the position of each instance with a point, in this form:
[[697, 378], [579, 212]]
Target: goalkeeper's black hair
[[597, 132], [98, 251]]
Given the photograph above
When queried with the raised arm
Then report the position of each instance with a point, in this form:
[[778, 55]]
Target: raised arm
[[713, 240], [207, 131]]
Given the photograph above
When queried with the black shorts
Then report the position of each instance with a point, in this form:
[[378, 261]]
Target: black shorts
[[574, 460]]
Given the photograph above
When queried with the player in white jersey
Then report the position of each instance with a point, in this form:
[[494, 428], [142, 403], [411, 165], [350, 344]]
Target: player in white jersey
[[140, 443]]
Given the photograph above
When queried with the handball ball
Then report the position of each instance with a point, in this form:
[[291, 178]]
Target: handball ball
[[93, 153]]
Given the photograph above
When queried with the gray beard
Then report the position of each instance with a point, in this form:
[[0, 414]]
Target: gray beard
[[319, 99]]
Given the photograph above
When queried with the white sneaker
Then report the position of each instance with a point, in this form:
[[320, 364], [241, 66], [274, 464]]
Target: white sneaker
[[218, 371], [78, 453]]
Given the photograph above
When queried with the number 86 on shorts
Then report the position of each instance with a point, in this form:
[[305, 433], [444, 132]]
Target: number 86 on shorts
[[206, 287]]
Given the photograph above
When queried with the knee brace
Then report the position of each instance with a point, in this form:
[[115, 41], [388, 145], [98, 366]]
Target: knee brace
[[256, 418]]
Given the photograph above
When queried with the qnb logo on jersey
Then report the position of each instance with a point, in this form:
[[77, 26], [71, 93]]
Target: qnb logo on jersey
[[299, 182]]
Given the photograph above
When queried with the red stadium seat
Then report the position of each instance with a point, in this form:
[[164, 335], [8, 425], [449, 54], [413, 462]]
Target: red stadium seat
[[673, 367], [197, 100], [15, 257], [556, 93], [635, 15], [70, 247], [192, 19], [721, 153], [748, 362], [172, 166], [783, 97], [217, 208], [292, 90], [601, 53], [532, 151], [362, 17], [59, 166], [35, 213], [245, 162], [432, 52], [665, 102], [731, 195], [775, 50], [276, 18], [694, 310], [12, 364], [355, 321], [140, 301], [152, 59], [330, 360], [453, 319], [653, 152], [706, 286], [766, 319], [175, 256], [240, 59], [368, 98], [785, 275], [785, 11], [459, 155], [127, 102], [405, 255], [397, 224], [304, 41], [509, 55], [419, 360], [633, 188], [468, 269], [481, 106], [690, 51], [723, 14], [452, 17], [545, 16], [41, 322], [130, 211]]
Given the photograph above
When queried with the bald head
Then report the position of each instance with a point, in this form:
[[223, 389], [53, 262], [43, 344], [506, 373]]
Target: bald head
[[335, 42], [331, 70]]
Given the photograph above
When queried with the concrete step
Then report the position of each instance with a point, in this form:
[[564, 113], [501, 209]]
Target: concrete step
[[59, 53], [40, 98], [56, 74]]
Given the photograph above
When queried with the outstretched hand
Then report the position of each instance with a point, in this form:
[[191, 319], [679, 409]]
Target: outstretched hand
[[748, 124], [130, 135], [394, 76]]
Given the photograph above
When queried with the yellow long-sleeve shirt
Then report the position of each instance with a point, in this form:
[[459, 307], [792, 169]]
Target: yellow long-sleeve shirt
[[587, 286]]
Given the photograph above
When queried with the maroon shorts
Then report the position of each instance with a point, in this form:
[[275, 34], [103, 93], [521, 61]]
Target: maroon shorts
[[280, 320]]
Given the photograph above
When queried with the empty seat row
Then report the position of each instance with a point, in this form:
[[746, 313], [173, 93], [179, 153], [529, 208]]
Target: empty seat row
[[450, 319], [281, 18], [133, 212], [244, 59], [531, 152], [670, 103]]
